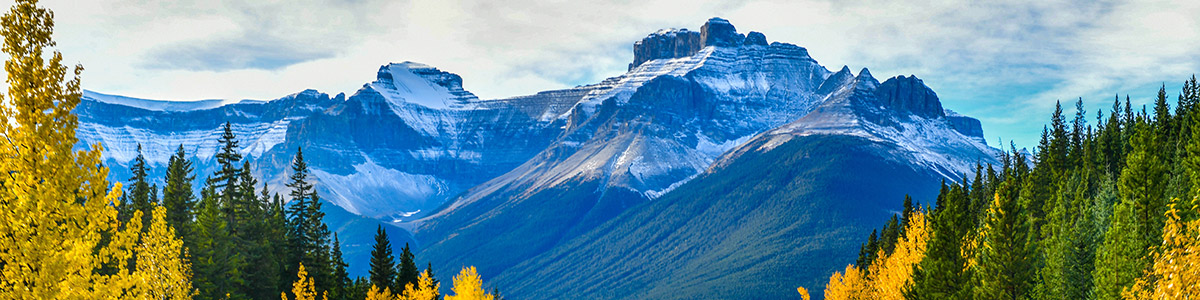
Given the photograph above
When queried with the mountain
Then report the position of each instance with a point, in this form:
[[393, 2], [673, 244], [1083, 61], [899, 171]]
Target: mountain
[[784, 209], [646, 134], [560, 180]]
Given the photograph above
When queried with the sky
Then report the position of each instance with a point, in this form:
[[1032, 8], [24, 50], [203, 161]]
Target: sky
[[1003, 62]]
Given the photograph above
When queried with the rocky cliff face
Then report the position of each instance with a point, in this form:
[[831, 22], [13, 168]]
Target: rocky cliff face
[[719, 32], [668, 43], [909, 94], [676, 43]]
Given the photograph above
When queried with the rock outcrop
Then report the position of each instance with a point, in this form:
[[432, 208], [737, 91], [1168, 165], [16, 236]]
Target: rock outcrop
[[667, 43], [909, 94], [675, 43], [719, 32]]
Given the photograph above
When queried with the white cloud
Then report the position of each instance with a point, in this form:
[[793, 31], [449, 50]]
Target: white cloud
[[1003, 61]]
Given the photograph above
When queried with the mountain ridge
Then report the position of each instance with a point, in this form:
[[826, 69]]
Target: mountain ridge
[[415, 150]]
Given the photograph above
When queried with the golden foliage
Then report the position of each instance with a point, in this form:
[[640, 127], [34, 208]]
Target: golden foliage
[[848, 286], [803, 293], [59, 233], [1176, 270], [468, 286], [303, 288], [162, 272], [889, 274], [375, 294], [425, 289]]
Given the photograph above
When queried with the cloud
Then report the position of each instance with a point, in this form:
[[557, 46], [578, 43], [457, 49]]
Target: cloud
[[248, 51], [1005, 62]]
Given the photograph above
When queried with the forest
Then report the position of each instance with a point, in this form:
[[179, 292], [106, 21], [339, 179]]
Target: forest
[[66, 233], [1107, 209]]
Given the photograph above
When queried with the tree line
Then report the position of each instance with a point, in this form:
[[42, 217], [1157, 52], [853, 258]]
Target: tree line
[[1108, 210], [65, 233]]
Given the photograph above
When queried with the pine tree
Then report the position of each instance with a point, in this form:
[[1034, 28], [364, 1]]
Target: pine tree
[[383, 269], [434, 281], [216, 265], [177, 195], [943, 274], [340, 277], [866, 254], [309, 236], [226, 176], [139, 188], [408, 272], [1004, 269]]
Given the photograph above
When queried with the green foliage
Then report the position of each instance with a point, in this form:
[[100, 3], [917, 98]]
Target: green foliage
[[1004, 268], [383, 263], [943, 274], [408, 272]]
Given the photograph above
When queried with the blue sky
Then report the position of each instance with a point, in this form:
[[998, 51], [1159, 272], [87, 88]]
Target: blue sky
[[1004, 62]]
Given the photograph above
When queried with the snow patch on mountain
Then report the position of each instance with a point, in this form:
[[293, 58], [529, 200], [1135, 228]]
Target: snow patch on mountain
[[120, 143], [163, 105], [374, 190], [420, 84]]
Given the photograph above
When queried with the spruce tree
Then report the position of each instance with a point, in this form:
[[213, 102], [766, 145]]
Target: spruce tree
[[178, 198], [382, 269], [226, 176], [943, 273], [308, 235], [1004, 269], [408, 272], [139, 188], [341, 279], [216, 266]]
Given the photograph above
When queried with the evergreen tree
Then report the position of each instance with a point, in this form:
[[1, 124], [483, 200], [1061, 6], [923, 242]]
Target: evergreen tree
[[408, 272], [383, 268], [943, 273], [1004, 269], [139, 188], [177, 195], [217, 266], [434, 282], [866, 254], [308, 236], [341, 279], [226, 176]]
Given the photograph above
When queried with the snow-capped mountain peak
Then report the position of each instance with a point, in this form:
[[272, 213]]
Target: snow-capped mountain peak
[[417, 83]]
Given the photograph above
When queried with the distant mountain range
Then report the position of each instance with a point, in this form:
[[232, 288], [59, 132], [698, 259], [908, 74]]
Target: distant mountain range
[[719, 166]]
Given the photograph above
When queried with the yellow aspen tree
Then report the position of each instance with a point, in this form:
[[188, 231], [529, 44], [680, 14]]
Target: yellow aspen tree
[[850, 285], [890, 274], [468, 286], [1175, 273], [162, 271], [425, 289], [302, 288], [59, 236], [376, 294]]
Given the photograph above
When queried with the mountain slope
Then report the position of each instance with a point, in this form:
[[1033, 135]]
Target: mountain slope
[[632, 138], [782, 210], [667, 121], [753, 229]]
